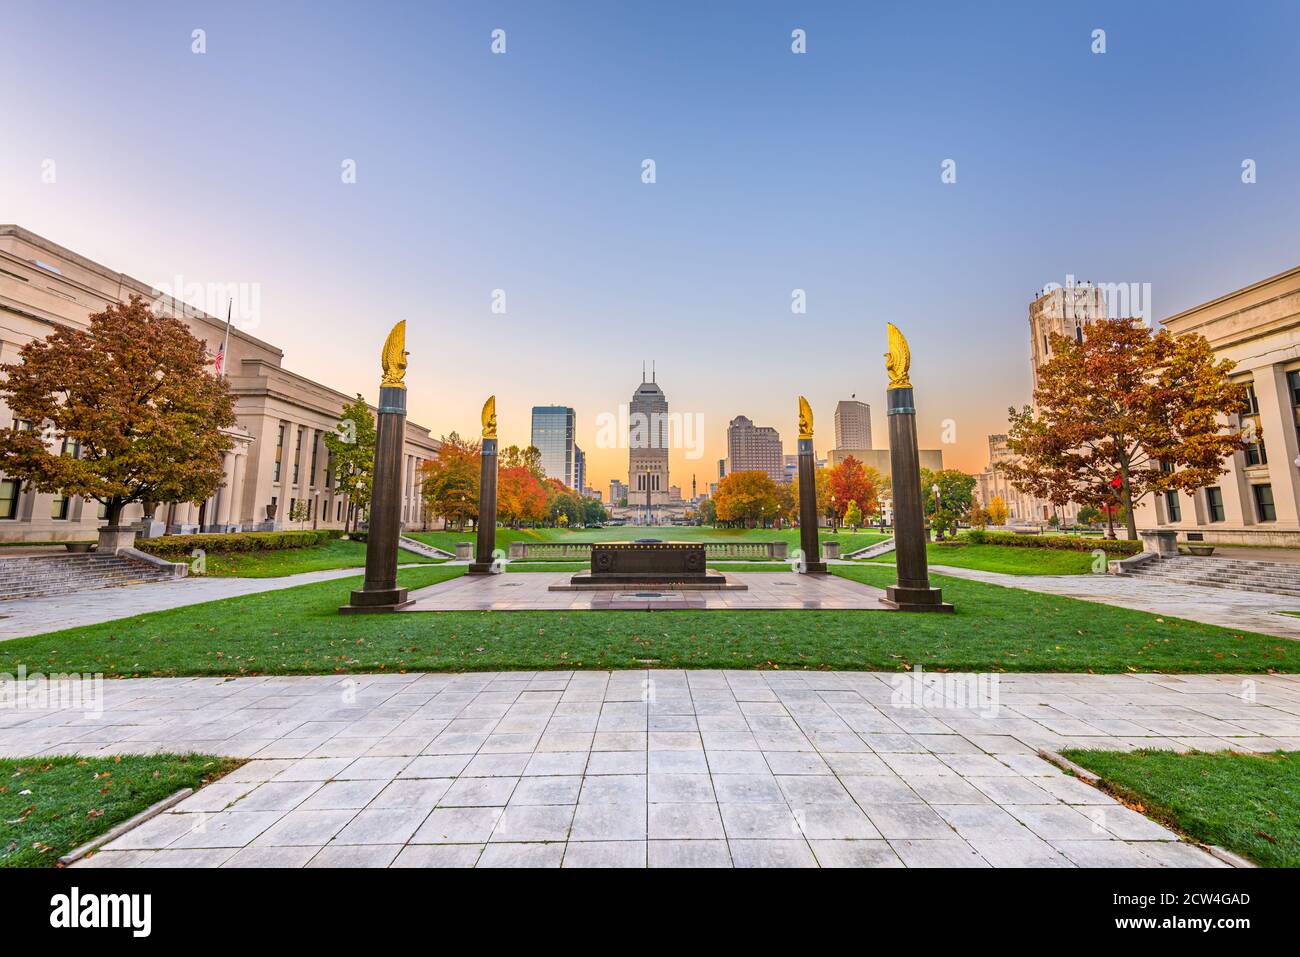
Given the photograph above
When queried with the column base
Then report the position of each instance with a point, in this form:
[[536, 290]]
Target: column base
[[813, 568], [483, 568], [370, 602], [915, 599]]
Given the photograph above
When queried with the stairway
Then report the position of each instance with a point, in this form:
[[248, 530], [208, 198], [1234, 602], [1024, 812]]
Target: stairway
[[420, 548], [65, 574], [1273, 578]]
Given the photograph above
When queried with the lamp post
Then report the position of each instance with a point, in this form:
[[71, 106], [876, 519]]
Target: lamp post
[[938, 533]]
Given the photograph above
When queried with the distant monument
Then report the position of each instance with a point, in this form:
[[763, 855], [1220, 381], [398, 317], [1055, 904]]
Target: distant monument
[[486, 526], [812, 559], [913, 591], [380, 591]]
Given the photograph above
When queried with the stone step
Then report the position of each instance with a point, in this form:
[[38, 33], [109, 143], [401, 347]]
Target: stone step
[[66, 574]]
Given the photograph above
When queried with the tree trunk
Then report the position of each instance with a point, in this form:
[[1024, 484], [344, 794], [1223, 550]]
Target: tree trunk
[[1126, 493]]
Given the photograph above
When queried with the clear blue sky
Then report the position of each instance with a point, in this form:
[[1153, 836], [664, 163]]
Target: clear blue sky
[[775, 171]]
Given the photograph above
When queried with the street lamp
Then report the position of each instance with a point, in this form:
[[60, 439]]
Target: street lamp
[[935, 489]]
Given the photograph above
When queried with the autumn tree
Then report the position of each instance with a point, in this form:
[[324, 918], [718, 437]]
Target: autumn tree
[[1146, 409], [530, 458], [520, 496], [853, 516], [450, 480], [849, 482], [352, 450], [997, 511], [132, 392], [749, 497]]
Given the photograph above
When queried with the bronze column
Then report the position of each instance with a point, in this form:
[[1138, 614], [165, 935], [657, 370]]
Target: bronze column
[[812, 559], [484, 563], [380, 591]]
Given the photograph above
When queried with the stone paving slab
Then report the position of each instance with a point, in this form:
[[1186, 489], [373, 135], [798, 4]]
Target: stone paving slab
[[657, 768], [530, 591]]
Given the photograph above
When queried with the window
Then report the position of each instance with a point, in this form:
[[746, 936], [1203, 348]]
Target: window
[[102, 511], [72, 448], [9, 498], [1214, 504], [1256, 454], [279, 451], [1293, 383], [1264, 503], [22, 425], [1078, 333], [59, 506], [315, 448], [1252, 400], [1173, 506], [297, 454]]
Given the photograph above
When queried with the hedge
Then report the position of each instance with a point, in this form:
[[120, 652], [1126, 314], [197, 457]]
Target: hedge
[[169, 546], [1063, 543]]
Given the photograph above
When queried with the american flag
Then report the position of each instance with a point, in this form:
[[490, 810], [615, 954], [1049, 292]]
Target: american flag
[[221, 353]]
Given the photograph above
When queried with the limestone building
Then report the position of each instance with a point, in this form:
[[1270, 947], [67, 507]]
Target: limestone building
[[754, 448], [279, 457], [1257, 501], [852, 424], [648, 441]]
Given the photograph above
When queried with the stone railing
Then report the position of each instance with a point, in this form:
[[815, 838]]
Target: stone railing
[[581, 551]]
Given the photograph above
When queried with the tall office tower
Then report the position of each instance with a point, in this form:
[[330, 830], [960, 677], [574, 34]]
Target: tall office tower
[[852, 424], [648, 439], [553, 437], [754, 448]]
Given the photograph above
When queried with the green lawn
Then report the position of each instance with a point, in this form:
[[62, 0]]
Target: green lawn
[[49, 806], [1248, 803], [1007, 559], [680, 533], [275, 563], [299, 631]]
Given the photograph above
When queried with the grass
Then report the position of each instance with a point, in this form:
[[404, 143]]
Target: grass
[[681, 533], [49, 806], [1007, 559], [275, 563], [299, 631], [1248, 803]]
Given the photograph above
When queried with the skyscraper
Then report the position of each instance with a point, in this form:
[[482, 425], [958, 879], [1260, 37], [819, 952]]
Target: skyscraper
[[579, 470], [553, 436], [852, 424], [648, 438], [754, 448]]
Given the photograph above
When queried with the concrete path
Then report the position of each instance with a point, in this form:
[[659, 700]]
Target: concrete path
[[35, 616], [658, 768], [1247, 611]]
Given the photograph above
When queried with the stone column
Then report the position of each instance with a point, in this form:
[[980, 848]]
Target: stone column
[[224, 495], [237, 489], [486, 526], [380, 591], [913, 591], [812, 559]]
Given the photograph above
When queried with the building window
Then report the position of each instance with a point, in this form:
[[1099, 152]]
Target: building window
[[1173, 506], [279, 451], [22, 425], [59, 506], [1214, 504], [72, 448], [102, 511], [1252, 400], [315, 448], [297, 454], [1264, 503], [9, 498], [1078, 333], [1256, 454]]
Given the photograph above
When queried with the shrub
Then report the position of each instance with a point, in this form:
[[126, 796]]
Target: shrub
[[171, 546], [1064, 543]]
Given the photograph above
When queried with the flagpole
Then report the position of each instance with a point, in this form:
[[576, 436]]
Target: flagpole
[[225, 346]]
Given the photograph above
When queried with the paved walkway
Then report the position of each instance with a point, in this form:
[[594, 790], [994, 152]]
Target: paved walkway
[[637, 768], [35, 616], [530, 591], [1244, 610]]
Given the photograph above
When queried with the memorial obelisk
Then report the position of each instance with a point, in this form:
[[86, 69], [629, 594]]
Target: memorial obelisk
[[486, 527], [913, 591], [380, 591], [812, 559]]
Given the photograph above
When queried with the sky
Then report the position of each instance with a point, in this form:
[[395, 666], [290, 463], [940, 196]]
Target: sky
[[517, 178]]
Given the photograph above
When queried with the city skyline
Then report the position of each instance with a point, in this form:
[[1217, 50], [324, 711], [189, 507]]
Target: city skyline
[[766, 184]]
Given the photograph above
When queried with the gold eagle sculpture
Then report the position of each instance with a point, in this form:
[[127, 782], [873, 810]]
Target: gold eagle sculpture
[[393, 358], [490, 418], [805, 419], [898, 360]]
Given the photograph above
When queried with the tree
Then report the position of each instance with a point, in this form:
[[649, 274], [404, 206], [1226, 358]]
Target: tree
[[787, 505], [748, 497], [450, 481], [1146, 409], [300, 512], [956, 495], [853, 516], [132, 393], [593, 513], [708, 512], [850, 483], [1090, 515], [997, 511], [520, 496], [979, 516], [352, 447], [512, 456]]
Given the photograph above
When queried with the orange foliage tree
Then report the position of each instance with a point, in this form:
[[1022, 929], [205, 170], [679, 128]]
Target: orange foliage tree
[[748, 497], [520, 496]]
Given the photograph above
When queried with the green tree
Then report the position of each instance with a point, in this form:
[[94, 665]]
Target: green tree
[[954, 502], [1090, 515], [133, 396], [853, 516], [352, 448], [300, 512]]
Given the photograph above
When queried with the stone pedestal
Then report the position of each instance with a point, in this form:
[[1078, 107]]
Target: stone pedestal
[[812, 563], [113, 538], [464, 551], [913, 591], [1161, 541], [486, 541], [830, 550], [380, 591]]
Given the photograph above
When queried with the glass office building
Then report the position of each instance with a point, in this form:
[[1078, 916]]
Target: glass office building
[[553, 437]]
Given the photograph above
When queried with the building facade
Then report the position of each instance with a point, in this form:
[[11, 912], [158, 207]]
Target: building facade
[[852, 424], [552, 435], [1257, 500], [279, 457], [754, 448], [648, 440]]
